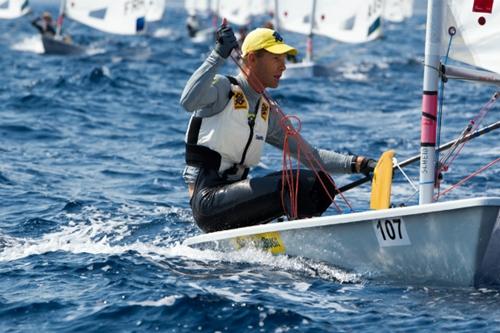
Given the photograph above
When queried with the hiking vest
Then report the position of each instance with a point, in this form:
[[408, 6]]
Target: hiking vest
[[230, 141]]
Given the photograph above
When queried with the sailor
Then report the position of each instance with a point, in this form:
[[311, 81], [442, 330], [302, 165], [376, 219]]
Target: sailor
[[45, 24], [229, 125], [192, 25], [242, 34], [291, 58]]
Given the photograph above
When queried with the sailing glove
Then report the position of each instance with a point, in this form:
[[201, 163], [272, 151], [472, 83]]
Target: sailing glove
[[367, 166], [225, 41]]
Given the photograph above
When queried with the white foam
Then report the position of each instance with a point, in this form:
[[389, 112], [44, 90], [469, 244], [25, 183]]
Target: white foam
[[162, 33], [29, 44], [329, 302], [165, 301], [97, 232]]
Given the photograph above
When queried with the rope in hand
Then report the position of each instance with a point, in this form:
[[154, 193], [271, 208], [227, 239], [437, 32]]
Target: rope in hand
[[290, 132]]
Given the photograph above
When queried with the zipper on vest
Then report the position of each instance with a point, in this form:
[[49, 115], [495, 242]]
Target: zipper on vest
[[251, 124]]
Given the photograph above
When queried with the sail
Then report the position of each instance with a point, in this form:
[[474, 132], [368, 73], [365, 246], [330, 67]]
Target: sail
[[155, 9], [397, 10], [353, 21], [236, 11], [241, 12], [201, 7], [477, 39], [11, 9], [295, 15], [123, 17]]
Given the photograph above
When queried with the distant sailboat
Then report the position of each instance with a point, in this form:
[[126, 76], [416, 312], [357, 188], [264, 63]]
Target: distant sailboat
[[354, 21], [112, 16], [11, 9], [242, 12], [397, 10], [200, 12], [122, 17]]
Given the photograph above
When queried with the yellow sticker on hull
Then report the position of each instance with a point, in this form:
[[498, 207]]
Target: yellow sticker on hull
[[268, 241]]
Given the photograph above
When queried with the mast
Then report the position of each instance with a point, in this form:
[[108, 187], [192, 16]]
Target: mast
[[309, 48], [215, 12], [276, 21], [60, 18], [435, 16]]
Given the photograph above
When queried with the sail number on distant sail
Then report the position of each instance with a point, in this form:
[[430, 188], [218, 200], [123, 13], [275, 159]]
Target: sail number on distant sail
[[391, 232], [133, 6]]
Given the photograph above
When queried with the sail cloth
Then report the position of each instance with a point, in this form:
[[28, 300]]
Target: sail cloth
[[241, 12], [201, 7], [353, 21], [123, 17], [11, 9], [397, 10], [477, 39], [155, 10]]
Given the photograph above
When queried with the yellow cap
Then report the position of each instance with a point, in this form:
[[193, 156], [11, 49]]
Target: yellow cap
[[267, 39]]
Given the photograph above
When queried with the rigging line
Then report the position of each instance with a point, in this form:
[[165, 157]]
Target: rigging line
[[396, 164], [475, 173], [448, 145], [455, 150], [437, 167], [310, 157], [434, 68]]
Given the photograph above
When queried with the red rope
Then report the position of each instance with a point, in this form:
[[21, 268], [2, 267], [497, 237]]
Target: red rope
[[287, 176], [313, 163], [456, 149], [467, 178]]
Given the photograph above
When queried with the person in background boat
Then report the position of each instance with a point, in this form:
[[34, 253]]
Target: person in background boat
[[192, 25], [242, 33], [229, 125], [45, 24]]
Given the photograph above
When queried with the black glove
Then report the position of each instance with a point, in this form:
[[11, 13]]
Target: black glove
[[367, 166], [225, 41]]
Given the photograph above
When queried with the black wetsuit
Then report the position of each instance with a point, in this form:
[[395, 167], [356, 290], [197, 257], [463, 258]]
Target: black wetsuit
[[43, 27]]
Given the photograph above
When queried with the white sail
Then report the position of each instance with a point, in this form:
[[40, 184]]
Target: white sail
[[295, 15], [155, 10], [262, 7], [241, 12], [11, 9], [353, 21], [477, 39], [123, 17], [236, 11], [397, 10], [200, 7]]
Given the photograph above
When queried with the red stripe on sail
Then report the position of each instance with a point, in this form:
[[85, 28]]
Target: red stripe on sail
[[483, 6]]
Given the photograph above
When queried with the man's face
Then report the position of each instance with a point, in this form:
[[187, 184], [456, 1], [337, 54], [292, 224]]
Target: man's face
[[268, 68]]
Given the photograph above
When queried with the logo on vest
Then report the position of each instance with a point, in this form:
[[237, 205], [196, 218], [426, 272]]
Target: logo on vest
[[240, 101], [264, 111]]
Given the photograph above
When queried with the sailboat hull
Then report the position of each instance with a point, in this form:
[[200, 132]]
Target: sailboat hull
[[60, 47], [304, 69], [454, 243]]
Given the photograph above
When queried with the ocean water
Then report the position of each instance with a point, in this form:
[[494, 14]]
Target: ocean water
[[93, 208]]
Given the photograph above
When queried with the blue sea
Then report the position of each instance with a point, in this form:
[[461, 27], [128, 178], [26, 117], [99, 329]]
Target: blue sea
[[93, 208]]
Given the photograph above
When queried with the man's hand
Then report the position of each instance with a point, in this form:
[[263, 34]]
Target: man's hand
[[367, 166], [225, 41]]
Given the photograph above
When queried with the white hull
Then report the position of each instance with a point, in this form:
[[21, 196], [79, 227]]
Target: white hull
[[454, 243], [204, 36], [302, 70]]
